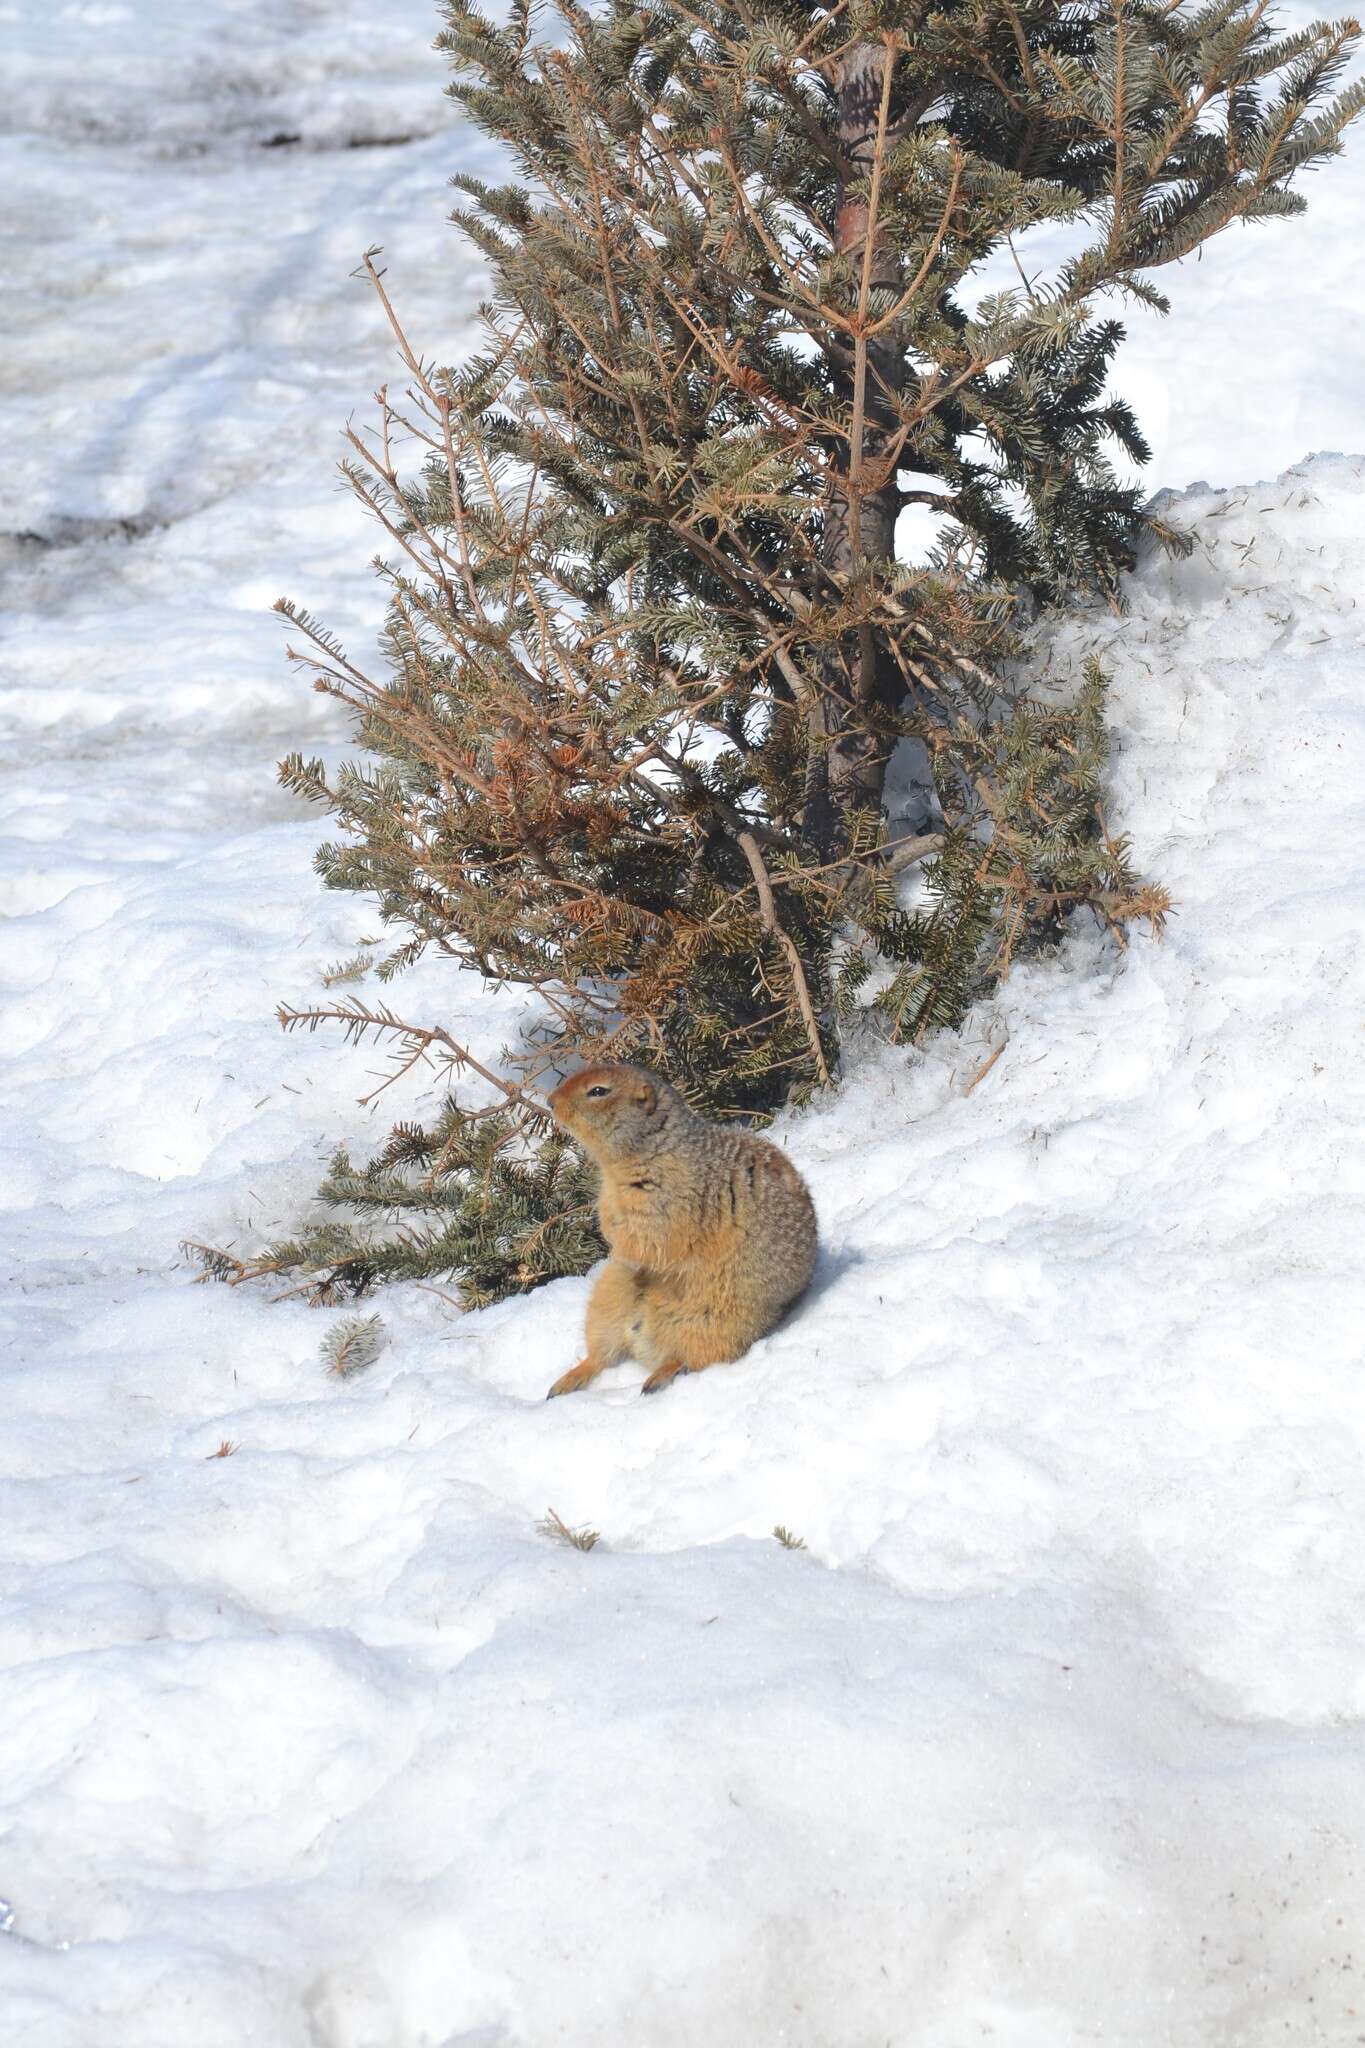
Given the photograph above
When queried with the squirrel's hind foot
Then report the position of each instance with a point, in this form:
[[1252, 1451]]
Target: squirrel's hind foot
[[576, 1378], [665, 1376]]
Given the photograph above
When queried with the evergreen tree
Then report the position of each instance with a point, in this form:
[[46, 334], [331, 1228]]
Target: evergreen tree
[[649, 644]]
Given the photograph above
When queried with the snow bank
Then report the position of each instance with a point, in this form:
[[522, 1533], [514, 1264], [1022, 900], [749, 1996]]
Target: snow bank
[[188, 80], [1053, 1733]]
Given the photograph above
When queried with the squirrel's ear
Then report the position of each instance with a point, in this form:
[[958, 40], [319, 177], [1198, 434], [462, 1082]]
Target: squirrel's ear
[[645, 1093]]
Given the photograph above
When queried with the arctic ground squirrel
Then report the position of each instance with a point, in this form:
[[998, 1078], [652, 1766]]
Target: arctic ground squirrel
[[712, 1231]]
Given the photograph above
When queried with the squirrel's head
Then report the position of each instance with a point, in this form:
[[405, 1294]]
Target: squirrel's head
[[610, 1110]]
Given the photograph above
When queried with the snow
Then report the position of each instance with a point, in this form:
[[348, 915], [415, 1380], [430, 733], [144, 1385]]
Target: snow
[[1054, 1731]]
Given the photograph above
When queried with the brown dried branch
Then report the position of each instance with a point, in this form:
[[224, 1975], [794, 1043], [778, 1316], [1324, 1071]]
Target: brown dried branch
[[578, 1539], [357, 1018], [767, 910], [900, 854]]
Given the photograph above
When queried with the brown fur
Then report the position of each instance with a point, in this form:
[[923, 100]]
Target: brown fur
[[712, 1231]]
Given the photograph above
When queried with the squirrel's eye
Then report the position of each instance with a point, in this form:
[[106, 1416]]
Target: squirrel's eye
[[599, 1090]]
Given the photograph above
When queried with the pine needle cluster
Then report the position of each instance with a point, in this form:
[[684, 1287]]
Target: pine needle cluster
[[650, 646], [554, 1525], [353, 1345]]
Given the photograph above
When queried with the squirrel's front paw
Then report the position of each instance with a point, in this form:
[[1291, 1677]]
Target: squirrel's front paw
[[578, 1376], [665, 1376]]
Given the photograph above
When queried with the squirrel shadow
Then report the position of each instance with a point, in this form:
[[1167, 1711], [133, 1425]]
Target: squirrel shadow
[[830, 1267]]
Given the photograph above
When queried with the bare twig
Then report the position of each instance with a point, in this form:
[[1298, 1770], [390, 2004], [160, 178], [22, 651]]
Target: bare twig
[[985, 1067], [767, 910], [357, 1019], [903, 853]]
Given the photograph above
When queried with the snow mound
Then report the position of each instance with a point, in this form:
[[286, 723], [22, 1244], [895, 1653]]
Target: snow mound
[[169, 79], [1053, 1731]]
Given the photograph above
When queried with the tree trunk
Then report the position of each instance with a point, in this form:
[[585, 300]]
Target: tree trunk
[[849, 742]]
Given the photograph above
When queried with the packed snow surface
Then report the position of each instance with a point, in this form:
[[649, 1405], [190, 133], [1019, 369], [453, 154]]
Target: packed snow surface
[[1055, 1730]]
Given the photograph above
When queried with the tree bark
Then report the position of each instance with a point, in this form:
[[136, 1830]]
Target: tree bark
[[849, 744]]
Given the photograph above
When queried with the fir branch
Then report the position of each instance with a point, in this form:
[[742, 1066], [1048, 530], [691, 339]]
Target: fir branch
[[554, 1525], [353, 1345], [357, 1019], [354, 969]]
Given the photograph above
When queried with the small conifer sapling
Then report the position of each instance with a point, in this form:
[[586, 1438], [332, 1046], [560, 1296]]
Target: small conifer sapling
[[761, 280]]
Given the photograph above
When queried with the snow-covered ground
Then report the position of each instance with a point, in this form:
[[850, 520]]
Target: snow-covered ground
[[1055, 1732]]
